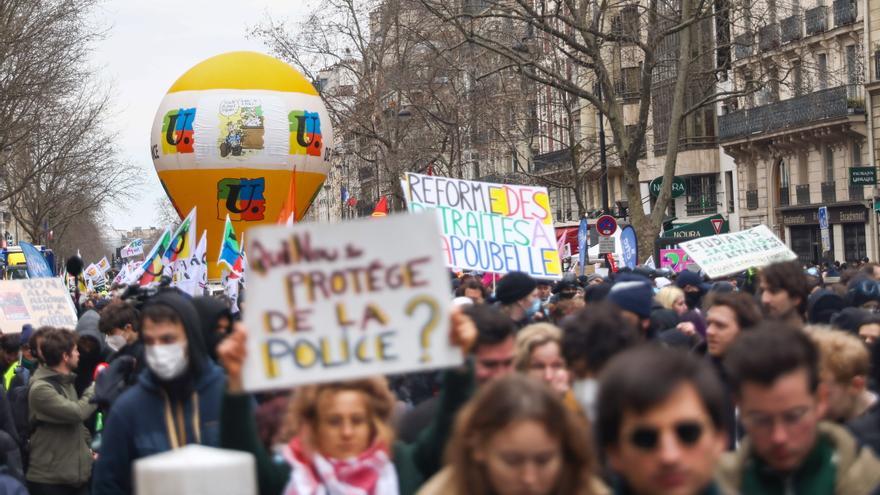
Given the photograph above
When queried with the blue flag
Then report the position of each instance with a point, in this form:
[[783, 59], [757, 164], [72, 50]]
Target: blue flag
[[630, 246], [37, 267], [583, 233]]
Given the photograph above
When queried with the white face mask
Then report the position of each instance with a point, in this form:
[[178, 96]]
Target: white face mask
[[167, 361], [115, 342], [586, 392]]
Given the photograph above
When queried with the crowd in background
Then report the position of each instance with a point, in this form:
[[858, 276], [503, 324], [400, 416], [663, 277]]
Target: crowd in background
[[641, 382]]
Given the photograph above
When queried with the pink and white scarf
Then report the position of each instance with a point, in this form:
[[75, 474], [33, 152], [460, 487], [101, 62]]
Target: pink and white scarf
[[371, 473]]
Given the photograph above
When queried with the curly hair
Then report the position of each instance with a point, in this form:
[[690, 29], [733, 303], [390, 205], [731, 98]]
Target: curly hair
[[303, 412]]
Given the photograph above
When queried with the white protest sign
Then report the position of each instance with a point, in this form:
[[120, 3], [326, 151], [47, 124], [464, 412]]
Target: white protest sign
[[134, 248], [726, 254], [104, 265], [333, 302], [93, 273], [38, 301], [488, 227]]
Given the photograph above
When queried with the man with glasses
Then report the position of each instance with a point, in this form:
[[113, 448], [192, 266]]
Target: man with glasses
[[774, 371], [660, 422]]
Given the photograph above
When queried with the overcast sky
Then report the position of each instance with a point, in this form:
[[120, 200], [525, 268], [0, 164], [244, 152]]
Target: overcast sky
[[149, 44]]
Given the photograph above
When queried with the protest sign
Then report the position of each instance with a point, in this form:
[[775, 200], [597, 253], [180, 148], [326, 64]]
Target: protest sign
[[134, 248], [726, 254], [104, 265], [674, 259], [38, 301], [342, 301], [93, 273], [488, 227]]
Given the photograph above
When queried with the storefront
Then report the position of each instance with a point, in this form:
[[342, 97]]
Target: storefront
[[849, 232]]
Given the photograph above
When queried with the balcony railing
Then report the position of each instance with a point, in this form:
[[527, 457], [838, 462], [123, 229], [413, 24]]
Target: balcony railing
[[792, 28], [844, 12], [702, 206], [829, 194], [856, 193], [769, 37], [752, 199], [816, 20], [820, 105], [784, 196], [687, 143], [743, 45], [803, 194]]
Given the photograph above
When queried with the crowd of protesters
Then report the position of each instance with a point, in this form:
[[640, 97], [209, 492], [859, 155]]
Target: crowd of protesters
[[641, 382]]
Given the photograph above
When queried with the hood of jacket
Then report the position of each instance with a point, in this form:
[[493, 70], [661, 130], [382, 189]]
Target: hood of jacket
[[88, 326], [45, 373], [210, 310], [857, 469], [183, 306]]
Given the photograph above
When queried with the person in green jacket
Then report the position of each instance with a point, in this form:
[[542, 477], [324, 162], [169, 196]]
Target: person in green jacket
[[344, 440], [60, 456]]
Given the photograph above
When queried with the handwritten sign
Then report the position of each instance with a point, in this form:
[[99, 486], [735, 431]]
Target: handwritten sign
[[489, 227], [134, 248], [674, 259], [336, 302], [726, 254], [38, 301]]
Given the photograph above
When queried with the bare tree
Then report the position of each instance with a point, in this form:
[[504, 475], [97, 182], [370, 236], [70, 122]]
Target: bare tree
[[44, 47]]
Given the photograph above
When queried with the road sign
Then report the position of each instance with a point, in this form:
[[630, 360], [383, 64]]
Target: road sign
[[606, 245], [678, 187], [862, 176], [717, 223], [823, 217], [606, 225]]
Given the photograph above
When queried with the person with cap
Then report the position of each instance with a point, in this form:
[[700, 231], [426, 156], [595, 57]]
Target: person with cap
[[822, 305], [544, 289], [176, 400], [516, 297], [595, 279], [694, 288], [860, 322], [864, 293], [633, 295]]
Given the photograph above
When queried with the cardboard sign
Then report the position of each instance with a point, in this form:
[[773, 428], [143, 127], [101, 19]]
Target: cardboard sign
[[487, 227], [38, 301], [726, 254], [674, 259], [104, 265], [342, 301]]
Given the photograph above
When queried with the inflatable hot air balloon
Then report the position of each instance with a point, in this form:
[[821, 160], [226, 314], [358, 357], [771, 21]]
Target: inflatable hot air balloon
[[245, 135]]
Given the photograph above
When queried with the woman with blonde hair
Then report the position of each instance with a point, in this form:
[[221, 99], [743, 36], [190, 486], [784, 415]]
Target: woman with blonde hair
[[343, 442], [671, 297], [516, 437], [539, 355]]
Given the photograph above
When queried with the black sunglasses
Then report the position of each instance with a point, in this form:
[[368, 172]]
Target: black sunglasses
[[646, 438]]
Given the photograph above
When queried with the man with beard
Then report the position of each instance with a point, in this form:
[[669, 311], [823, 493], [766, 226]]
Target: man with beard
[[181, 381], [784, 292]]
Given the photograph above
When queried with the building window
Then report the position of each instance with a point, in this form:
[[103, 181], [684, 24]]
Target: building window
[[752, 176], [829, 164], [797, 77], [702, 196], [731, 197], [854, 244], [822, 70], [856, 154]]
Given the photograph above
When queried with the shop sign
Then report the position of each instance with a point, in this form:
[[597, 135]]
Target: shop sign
[[678, 187], [862, 176], [844, 214]]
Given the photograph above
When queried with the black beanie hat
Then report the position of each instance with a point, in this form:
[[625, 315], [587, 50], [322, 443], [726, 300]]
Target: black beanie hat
[[513, 287], [822, 305]]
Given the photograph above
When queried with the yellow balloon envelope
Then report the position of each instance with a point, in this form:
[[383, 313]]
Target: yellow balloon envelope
[[241, 134]]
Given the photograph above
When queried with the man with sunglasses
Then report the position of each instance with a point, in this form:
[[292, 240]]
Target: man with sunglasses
[[660, 422], [774, 371]]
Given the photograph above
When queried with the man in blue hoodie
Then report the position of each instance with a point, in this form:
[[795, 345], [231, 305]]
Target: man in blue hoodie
[[180, 381]]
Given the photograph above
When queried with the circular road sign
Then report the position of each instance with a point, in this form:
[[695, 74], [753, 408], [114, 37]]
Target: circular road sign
[[606, 225]]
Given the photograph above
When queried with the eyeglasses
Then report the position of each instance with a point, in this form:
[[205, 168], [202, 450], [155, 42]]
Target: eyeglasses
[[764, 422], [647, 438]]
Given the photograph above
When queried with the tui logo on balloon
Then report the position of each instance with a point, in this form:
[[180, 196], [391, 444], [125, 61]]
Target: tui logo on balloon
[[245, 135]]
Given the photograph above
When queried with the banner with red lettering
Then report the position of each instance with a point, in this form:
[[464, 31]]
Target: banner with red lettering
[[489, 227]]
